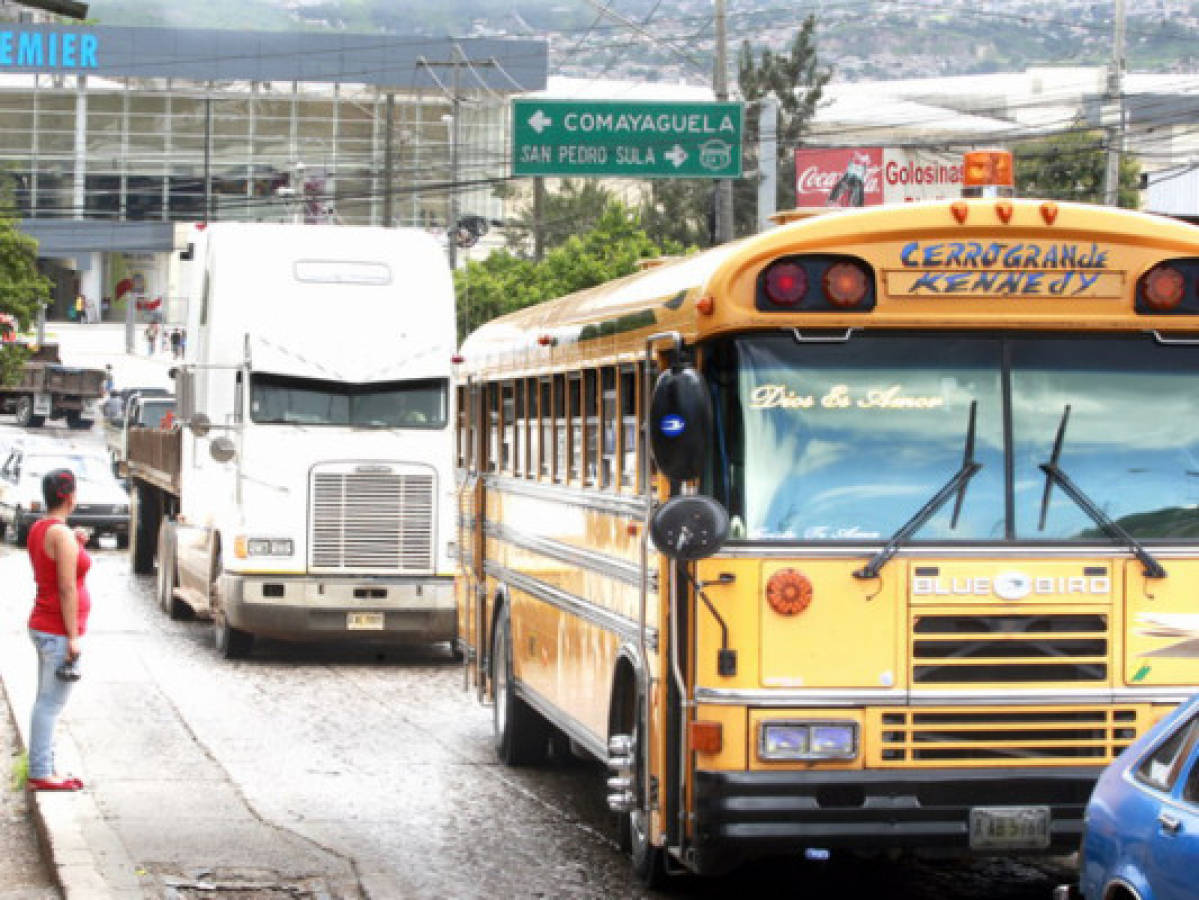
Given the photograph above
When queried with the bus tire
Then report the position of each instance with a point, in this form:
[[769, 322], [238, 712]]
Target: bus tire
[[649, 861], [521, 734]]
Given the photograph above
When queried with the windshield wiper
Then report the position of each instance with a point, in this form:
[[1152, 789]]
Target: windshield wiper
[[957, 484], [1053, 473]]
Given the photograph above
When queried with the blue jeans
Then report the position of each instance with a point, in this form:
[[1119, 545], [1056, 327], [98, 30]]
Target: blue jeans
[[52, 694]]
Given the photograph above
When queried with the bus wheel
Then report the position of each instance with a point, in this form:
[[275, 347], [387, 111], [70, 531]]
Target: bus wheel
[[521, 734], [649, 862]]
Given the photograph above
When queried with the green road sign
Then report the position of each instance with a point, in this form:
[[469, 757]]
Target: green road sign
[[617, 138]]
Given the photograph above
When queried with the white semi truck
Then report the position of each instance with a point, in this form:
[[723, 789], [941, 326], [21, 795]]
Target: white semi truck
[[305, 491]]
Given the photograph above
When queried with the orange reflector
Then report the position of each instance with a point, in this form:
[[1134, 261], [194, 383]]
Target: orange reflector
[[706, 737], [845, 284], [545, 340], [789, 592], [987, 168], [1164, 287], [705, 305]]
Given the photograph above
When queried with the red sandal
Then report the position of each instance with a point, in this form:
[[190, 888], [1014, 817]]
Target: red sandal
[[55, 784]]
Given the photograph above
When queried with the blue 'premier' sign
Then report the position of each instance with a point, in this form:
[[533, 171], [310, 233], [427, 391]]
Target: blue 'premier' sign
[[48, 50]]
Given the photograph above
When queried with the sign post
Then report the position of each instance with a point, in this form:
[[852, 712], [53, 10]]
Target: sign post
[[621, 139]]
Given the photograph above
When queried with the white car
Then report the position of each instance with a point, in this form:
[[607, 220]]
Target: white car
[[103, 504]]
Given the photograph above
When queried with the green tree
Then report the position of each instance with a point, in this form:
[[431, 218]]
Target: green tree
[[1072, 166], [575, 207], [505, 282], [682, 211], [22, 288]]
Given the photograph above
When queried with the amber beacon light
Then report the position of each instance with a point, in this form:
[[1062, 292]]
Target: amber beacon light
[[789, 592], [987, 173]]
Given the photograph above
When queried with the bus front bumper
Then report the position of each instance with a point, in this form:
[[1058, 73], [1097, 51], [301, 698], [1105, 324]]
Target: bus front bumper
[[394, 610], [746, 814]]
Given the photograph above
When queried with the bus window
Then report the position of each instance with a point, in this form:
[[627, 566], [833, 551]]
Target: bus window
[[575, 395], [609, 424], [547, 428], [628, 428], [560, 438], [461, 430], [493, 426], [520, 424], [534, 428], [507, 418], [590, 429]]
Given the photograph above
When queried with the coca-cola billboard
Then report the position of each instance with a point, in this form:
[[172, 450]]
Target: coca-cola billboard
[[870, 176]]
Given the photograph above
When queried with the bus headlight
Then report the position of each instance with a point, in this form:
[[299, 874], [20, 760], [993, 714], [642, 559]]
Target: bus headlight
[[808, 740]]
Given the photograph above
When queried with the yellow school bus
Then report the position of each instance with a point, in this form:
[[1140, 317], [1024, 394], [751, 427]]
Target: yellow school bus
[[914, 555]]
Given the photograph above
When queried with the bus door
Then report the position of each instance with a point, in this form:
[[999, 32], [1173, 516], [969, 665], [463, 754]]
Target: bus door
[[471, 539]]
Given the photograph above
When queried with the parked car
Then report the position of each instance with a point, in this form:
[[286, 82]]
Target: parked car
[[103, 504], [1141, 828]]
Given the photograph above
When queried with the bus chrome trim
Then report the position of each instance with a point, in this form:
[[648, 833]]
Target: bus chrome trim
[[574, 729], [600, 563], [896, 697], [614, 504], [570, 603]]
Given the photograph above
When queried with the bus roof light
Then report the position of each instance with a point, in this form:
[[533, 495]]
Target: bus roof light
[[786, 284], [960, 210], [845, 284], [1003, 209], [1163, 288], [1049, 212]]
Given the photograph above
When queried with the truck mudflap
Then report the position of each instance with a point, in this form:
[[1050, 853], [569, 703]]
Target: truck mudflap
[[373, 609], [750, 814]]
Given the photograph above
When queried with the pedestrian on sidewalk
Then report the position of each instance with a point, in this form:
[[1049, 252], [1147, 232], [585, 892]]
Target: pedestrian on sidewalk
[[176, 343], [57, 623], [151, 337]]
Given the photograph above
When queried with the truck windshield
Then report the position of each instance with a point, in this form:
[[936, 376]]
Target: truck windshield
[[310, 401], [842, 441], [150, 415]]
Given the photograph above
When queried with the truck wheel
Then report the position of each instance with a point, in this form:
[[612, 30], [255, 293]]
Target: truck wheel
[[23, 410], [521, 735], [145, 513], [168, 578], [231, 643], [76, 421]]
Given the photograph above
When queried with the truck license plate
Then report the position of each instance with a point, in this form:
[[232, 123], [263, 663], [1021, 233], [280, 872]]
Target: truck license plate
[[1009, 827], [364, 621]]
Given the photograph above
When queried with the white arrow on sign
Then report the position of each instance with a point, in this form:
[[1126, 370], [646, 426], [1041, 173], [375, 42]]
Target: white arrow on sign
[[676, 155], [540, 121]]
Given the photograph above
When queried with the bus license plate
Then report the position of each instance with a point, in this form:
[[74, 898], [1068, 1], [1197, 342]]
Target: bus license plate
[[364, 621], [1009, 827]]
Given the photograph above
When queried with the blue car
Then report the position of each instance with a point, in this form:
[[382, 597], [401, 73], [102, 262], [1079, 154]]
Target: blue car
[[1141, 837]]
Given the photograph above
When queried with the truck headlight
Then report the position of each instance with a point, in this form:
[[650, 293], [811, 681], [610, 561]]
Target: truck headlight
[[244, 547], [808, 740]]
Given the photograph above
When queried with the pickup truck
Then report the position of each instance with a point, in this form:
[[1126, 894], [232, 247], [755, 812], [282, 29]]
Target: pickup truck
[[142, 410], [49, 390]]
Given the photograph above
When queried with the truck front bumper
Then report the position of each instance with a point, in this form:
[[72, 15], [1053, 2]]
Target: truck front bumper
[[395, 610], [740, 815]]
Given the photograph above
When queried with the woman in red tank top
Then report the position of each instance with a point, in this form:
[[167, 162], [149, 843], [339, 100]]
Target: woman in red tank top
[[58, 621]]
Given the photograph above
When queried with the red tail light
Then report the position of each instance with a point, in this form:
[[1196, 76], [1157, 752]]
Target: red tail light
[[786, 284], [845, 284], [1164, 288]]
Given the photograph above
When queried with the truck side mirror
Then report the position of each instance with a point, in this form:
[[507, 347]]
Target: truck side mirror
[[688, 528], [222, 449], [200, 424], [680, 423]]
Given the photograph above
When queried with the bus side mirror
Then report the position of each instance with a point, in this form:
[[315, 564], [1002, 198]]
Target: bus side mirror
[[680, 423], [688, 528]]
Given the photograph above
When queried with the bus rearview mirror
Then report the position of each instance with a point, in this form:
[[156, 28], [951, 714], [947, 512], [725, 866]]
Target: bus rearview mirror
[[688, 528], [680, 423]]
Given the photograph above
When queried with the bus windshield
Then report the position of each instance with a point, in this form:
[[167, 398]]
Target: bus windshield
[[846, 441], [309, 401]]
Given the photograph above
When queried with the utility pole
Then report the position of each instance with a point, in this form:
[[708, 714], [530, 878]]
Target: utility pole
[[538, 214], [457, 60], [768, 159], [720, 87], [388, 160], [1115, 109]]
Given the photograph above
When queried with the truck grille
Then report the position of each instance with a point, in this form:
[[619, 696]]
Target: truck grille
[[1008, 648], [372, 522], [1006, 736]]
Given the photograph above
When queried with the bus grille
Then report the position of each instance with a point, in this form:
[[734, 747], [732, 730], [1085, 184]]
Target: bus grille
[[1009, 648], [1007, 736], [372, 522]]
